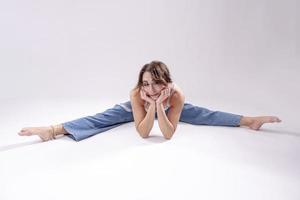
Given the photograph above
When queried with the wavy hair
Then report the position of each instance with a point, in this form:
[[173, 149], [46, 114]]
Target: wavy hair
[[159, 72]]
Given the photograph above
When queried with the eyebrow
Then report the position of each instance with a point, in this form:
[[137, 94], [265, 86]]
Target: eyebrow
[[145, 81]]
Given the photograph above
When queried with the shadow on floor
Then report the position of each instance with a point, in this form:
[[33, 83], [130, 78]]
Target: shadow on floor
[[281, 132], [24, 144], [156, 139], [18, 145]]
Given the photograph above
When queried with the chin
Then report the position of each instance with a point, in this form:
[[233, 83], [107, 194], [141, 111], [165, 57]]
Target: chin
[[154, 98]]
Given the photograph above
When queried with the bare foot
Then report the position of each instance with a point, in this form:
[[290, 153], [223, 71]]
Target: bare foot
[[256, 122], [44, 132]]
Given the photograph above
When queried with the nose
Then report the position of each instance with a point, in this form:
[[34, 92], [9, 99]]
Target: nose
[[152, 90]]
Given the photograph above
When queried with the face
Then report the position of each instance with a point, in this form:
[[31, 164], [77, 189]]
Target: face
[[151, 87]]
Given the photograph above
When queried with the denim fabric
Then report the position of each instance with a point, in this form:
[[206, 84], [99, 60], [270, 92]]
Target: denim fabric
[[84, 127]]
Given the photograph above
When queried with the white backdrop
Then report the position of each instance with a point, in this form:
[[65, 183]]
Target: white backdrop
[[96, 48], [231, 52], [64, 59]]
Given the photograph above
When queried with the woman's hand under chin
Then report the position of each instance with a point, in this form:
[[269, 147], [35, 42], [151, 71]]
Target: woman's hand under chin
[[146, 98], [164, 94]]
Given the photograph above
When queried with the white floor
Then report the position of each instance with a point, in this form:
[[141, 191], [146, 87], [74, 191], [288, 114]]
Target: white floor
[[199, 162]]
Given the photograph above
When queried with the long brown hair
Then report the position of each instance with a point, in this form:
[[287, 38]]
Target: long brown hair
[[159, 72]]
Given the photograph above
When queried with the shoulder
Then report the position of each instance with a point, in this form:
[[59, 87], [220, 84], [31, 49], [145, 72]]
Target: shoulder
[[135, 95], [177, 97]]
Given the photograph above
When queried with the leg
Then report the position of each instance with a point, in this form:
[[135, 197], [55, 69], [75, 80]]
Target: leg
[[201, 116], [84, 127]]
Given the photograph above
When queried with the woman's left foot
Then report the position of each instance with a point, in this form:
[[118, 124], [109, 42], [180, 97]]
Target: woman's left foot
[[256, 122]]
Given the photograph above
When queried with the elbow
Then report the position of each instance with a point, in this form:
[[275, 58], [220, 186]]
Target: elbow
[[168, 136], [143, 134]]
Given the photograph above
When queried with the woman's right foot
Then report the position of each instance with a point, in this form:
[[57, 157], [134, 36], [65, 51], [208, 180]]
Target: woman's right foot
[[44, 132]]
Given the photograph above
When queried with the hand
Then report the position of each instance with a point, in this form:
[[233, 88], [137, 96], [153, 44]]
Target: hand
[[145, 97], [165, 93]]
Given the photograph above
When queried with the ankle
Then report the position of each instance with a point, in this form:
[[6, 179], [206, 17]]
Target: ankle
[[245, 121], [57, 129]]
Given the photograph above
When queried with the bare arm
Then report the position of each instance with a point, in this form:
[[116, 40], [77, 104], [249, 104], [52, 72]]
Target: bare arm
[[146, 124], [168, 122], [143, 120], [165, 125]]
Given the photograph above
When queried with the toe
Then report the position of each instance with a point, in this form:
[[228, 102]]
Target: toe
[[275, 119], [25, 133], [21, 133], [278, 120]]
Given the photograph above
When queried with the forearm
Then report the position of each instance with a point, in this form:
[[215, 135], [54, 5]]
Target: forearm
[[165, 125], [146, 124]]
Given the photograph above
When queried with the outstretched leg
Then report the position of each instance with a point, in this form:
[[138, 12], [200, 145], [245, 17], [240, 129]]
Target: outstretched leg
[[202, 116], [84, 127]]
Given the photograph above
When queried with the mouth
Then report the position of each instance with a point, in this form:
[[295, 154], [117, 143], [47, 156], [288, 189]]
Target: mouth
[[155, 95]]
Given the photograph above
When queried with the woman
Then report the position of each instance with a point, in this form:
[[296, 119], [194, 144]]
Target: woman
[[155, 96]]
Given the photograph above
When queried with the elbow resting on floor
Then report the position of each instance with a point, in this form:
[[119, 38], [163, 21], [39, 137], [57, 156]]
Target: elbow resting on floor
[[143, 135], [168, 136]]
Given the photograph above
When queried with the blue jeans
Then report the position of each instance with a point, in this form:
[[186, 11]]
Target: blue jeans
[[88, 126]]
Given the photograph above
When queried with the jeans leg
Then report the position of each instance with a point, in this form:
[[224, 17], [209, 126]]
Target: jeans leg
[[201, 116], [88, 126]]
